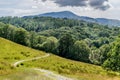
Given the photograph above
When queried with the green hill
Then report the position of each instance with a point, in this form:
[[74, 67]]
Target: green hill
[[11, 52]]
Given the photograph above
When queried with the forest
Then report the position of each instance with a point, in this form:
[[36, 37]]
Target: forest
[[73, 39]]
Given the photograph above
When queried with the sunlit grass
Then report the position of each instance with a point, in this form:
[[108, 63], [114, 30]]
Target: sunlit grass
[[11, 52], [25, 74], [75, 69]]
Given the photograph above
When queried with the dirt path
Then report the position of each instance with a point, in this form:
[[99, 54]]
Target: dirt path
[[53, 75], [18, 62], [48, 73]]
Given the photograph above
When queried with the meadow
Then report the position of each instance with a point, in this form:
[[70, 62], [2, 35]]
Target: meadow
[[79, 70], [11, 52]]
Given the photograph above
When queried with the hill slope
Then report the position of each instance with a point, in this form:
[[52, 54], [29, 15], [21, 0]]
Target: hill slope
[[11, 52], [70, 15]]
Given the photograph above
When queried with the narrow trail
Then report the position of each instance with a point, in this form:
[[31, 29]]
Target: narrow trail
[[47, 73], [18, 62]]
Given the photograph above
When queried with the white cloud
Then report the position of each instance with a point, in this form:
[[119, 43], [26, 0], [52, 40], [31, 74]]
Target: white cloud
[[32, 7]]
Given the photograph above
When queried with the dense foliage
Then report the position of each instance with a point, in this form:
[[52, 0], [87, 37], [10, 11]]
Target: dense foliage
[[65, 45], [81, 51], [74, 39], [48, 26], [113, 57]]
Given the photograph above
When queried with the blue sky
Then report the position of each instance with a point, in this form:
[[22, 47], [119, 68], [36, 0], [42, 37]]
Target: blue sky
[[91, 8]]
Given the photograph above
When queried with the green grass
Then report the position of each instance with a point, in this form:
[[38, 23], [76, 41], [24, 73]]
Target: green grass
[[11, 52], [72, 68], [25, 74]]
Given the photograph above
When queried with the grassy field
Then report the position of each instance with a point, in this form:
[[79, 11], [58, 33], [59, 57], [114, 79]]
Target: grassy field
[[11, 52], [25, 74], [75, 69]]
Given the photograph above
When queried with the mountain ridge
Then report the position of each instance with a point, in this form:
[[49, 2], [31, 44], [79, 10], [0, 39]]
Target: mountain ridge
[[71, 15]]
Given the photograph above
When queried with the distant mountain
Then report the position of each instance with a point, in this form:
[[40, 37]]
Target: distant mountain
[[70, 15], [110, 22], [63, 14]]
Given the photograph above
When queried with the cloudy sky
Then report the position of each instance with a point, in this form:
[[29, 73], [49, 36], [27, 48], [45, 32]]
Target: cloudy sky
[[91, 8]]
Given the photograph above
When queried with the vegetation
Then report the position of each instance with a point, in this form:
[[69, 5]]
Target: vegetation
[[98, 56], [113, 57], [25, 74], [64, 66], [11, 52], [72, 68], [73, 39], [65, 44], [81, 51]]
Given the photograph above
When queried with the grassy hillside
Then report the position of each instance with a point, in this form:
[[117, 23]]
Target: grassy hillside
[[11, 52], [76, 69]]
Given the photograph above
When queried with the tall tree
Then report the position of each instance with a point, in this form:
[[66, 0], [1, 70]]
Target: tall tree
[[81, 51], [33, 39], [65, 44], [21, 36], [50, 45]]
